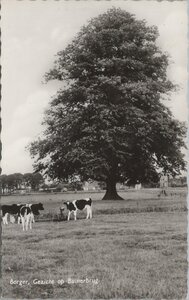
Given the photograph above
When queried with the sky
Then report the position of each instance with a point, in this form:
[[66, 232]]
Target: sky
[[34, 31]]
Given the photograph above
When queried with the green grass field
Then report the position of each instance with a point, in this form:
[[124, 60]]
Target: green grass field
[[131, 249]]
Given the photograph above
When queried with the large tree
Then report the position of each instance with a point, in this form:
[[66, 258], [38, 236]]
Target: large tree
[[108, 121]]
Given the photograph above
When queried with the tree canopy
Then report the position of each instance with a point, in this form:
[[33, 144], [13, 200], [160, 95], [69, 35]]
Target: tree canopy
[[108, 122]]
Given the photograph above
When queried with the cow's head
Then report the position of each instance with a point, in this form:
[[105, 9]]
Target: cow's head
[[36, 208], [40, 206], [67, 203]]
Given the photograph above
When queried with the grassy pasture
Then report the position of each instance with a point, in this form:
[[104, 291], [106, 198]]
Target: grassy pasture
[[134, 249]]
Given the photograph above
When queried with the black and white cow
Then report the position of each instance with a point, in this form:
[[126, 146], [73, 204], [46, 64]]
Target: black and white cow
[[26, 217], [81, 204], [13, 209], [36, 207], [34, 210]]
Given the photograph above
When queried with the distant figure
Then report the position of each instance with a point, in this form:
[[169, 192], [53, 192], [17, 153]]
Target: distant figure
[[138, 185], [61, 213], [163, 185]]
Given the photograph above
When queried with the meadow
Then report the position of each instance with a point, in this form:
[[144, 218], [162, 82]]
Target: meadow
[[131, 249]]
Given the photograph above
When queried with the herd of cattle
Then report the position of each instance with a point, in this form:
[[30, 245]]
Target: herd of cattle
[[25, 212]]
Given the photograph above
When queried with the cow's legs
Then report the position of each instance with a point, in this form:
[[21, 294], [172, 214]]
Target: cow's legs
[[5, 221], [75, 212], [23, 223], [87, 213], [69, 213], [32, 218], [19, 219], [90, 213], [27, 221]]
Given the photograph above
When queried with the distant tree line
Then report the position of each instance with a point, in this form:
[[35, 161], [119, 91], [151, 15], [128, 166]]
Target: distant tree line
[[36, 182], [18, 181]]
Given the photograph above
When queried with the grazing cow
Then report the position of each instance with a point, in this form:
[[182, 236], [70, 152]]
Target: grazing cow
[[34, 210], [26, 217], [81, 204], [13, 209], [36, 207]]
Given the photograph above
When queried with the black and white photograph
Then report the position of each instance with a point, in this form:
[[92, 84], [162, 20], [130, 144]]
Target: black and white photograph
[[93, 176]]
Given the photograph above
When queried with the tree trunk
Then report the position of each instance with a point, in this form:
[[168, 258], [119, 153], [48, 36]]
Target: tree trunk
[[111, 192]]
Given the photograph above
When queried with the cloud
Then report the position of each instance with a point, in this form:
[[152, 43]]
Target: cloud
[[24, 126], [15, 158], [60, 35], [27, 117], [33, 106], [179, 107], [179, 75], [173, 36]]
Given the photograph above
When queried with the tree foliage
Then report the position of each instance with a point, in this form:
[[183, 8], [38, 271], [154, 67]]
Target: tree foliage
[[109, 123]]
